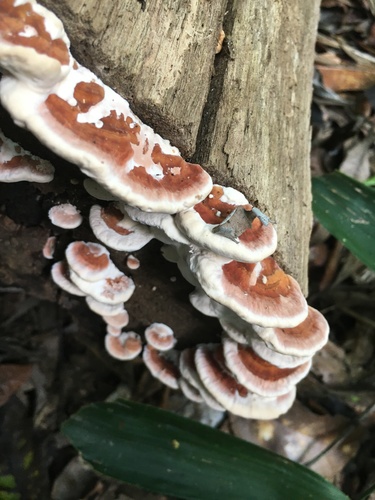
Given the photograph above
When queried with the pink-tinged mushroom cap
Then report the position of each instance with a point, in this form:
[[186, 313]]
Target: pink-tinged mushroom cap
[[114, 330], [303, 340], [119, 320], [164, 367], [65, 215], [33, 43], [189, 391], [245, 238], [242, 332], [104, 309], [126, 346], [91, 261], [259, 293], [160, 336], [276, 358], [260, 376], [60, 275], [231, 394], [115, 288], [49, 247], [17, 165], [87, 123], [116, 230], [204, 304], [132, 262], [189, 373], [169, 232]]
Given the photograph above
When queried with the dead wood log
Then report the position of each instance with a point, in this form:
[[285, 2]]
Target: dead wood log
[[244, 114]]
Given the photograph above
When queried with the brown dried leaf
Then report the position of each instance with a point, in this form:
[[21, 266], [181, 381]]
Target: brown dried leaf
[[12, 377], [346, 78]]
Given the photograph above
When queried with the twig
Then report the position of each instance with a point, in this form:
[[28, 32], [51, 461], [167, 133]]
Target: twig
[[357, 316], [331, 266], [365, 494]]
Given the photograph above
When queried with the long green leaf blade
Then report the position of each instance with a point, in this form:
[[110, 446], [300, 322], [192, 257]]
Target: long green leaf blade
[[346, 208], [163, 452]]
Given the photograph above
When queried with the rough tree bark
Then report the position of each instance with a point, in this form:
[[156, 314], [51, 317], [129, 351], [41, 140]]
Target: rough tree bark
[[244, 115]]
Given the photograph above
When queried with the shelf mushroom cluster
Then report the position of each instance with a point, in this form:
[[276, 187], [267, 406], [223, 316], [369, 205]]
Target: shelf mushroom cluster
[[220, 242]]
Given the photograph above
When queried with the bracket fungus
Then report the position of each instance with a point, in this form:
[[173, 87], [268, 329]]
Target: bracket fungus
[[69, 109], [160, 336], [163, 366], [221, 243], [117, 230], [124, 347], [65, 216], [259, 293], [230, 393], [223, 223], [258, 375], [17, 165]]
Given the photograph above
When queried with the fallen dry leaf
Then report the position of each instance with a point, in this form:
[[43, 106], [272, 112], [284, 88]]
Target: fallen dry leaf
[[12, 377], [346, 78]]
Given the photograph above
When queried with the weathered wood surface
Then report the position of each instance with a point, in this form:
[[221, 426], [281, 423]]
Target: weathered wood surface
[[250, 121], [160, 56]]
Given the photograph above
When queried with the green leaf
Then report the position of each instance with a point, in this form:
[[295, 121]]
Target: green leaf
[[371, 181], [346, 208], [165, 453]]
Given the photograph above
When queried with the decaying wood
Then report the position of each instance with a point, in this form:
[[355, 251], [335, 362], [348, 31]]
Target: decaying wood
[[157, 54], [253, 132]]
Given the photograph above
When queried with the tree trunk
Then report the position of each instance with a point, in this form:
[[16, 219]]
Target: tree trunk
[[244, 114]]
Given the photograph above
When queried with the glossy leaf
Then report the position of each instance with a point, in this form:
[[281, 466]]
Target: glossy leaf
[[346, 208], [165, 453]]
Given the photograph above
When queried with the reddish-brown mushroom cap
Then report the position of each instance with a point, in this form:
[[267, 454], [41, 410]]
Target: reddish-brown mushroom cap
[[60, 275], [160, 336], [104, 309], [116, 230], [266, 352], [33, 44], [113, 289], [87, 123], [244, 333], [119, 320], [259, 293], [260, 376], [65, 215], [243, 238], [303, 340], [115, 331], [17, 165], [161, 367], [189, 391], [132, 262], [126, 346], [189, 373], [163, 225], [90, 261], [93, 272], [231, 394], [49, 247]]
